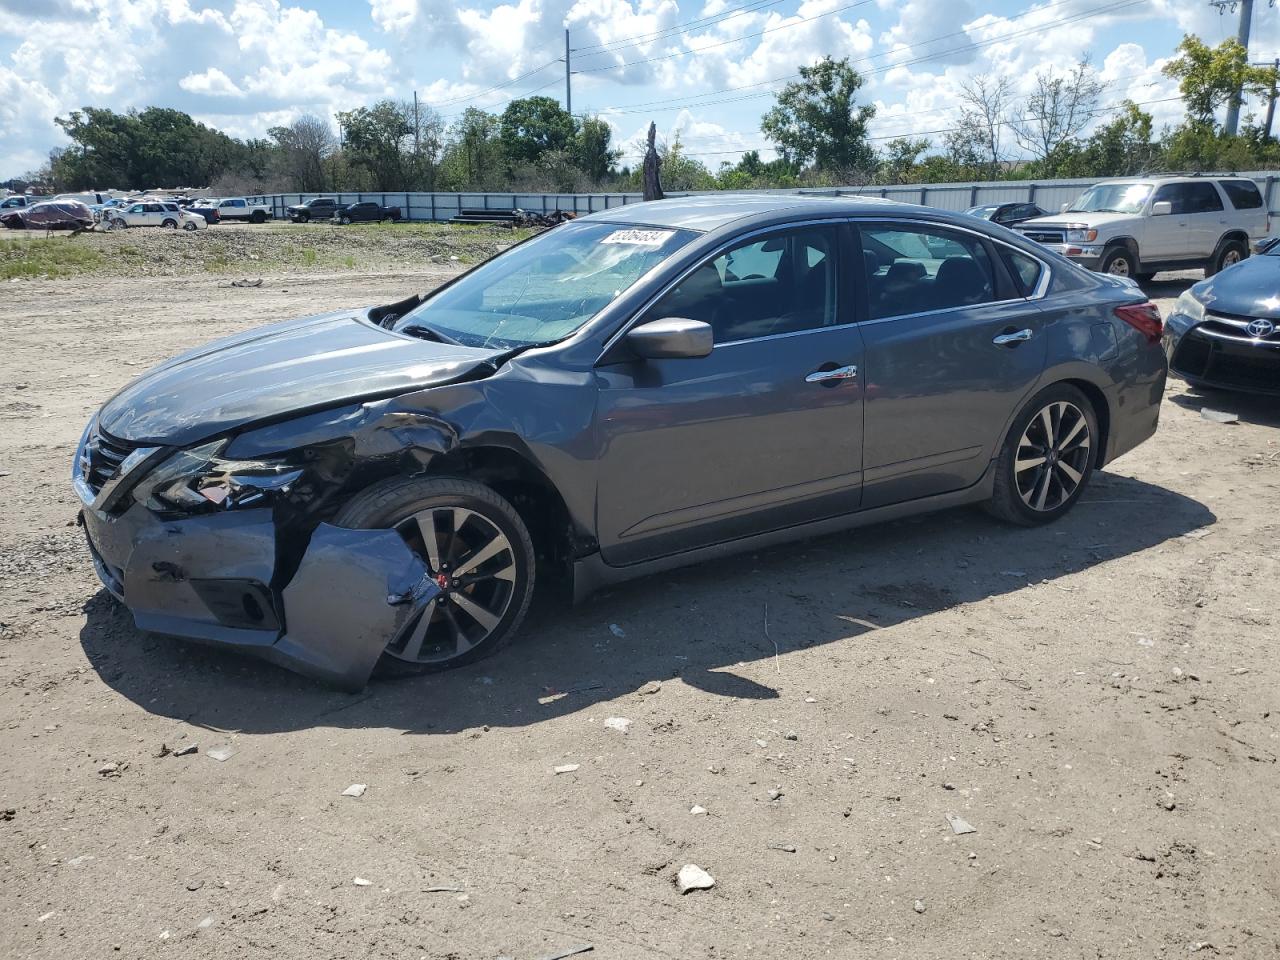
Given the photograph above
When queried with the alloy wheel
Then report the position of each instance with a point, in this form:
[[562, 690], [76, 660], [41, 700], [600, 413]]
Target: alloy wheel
[[1230, 258], [1053, 455], [1119, 267], [474, 564]]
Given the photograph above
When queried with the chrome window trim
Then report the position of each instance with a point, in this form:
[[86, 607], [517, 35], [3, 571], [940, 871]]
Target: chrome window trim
[[1041, 291]]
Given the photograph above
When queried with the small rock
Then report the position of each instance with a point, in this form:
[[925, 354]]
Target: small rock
[[194, 885], [109, 770], [1169, 805], [959, 825], [1239, 670], [775, 794], [187, 750], [697, 811], [810, 699], [693, 877], [621, 724], [972, 855], [1055, 932], [650, 688], [948, 785], [566, 768], [7, 814], [828, 916], [790, 735], [464, 900], [163, 752], [205, 924], [76, 861], [639, 783], [362, 882], [616, 630], [762, 743], [221, 754], [355, 790], [784, 847], [919, 906], [164, 934], [46, 916]]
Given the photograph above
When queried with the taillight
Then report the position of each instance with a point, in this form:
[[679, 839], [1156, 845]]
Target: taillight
[[1143, 317]]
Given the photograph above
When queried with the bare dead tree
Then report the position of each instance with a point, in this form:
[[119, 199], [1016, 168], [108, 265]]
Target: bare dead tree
[[652, 165], [305, 145], [984, 112], [1059, 110]]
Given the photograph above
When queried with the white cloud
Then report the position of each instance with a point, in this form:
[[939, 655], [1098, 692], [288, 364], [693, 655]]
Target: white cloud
[[213, 82]]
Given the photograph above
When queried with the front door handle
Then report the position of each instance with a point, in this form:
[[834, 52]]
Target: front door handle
[[1019, 336], [832, 377]]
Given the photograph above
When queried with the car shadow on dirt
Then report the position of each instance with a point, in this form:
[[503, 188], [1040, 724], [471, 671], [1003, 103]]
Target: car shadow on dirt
[[847, 591], [1250, 408]]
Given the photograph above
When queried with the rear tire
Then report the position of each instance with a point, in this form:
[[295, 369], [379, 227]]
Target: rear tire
[[170, 224], [484, 604], [345, 221], [1047, 458], [1119, 262], [257, 217], [1227, 255]]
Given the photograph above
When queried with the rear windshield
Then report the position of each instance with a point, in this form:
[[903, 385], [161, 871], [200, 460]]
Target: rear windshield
[[1243, 193], [545, 289]]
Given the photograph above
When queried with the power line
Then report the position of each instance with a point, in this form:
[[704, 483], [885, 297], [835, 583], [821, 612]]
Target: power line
[[723, 43], [678, 28], [670, 104]]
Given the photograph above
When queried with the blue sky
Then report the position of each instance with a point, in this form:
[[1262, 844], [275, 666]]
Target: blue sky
[[702, 69]]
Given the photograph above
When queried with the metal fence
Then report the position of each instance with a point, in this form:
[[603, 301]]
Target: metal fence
[[1049, 194]]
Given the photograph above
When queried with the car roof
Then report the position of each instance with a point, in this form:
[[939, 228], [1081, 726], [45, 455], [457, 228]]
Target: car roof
[[707, 212]]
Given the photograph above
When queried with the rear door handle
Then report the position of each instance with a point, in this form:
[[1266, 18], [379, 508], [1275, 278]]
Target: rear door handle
[[832, 377], [1005, 339]]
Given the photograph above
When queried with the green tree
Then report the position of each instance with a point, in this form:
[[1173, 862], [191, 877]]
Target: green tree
[[899, 162], [817, 121], [1121, 147], [592, 149], [473, 158], [375, 140], [1209, 76], [534, 125]]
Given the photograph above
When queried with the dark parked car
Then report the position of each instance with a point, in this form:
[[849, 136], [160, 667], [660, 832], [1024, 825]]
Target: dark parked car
[[318, 208], [649, 386], [1225, 331], [366, 211], [1007, 214], [205, 209]]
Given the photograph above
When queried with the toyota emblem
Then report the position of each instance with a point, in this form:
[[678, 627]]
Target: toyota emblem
[[1261, 328]]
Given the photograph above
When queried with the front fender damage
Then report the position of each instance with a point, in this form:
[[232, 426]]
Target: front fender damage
[[354, 590]]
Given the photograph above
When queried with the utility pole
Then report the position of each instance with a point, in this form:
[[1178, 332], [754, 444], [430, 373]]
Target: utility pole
[[417, 140], [1242, 35], [1271, 100], [568, 99]]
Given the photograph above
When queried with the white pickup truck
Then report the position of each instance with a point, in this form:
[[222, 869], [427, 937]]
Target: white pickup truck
[[1136, 227], [238, 208]]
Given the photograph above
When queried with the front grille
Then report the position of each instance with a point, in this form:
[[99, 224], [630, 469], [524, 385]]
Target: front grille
[[103, 455], [1227, 363], [1045, 236], [1232, 325]]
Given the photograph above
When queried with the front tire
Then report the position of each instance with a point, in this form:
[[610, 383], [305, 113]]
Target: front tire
[[1047, 458], [345, 221], [190, 227], [1119, 262], [476, 547]]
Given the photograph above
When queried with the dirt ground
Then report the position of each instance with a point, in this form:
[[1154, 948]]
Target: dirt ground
[[1098, 698]]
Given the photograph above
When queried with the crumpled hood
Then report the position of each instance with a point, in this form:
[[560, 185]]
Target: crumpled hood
[[1249, 289], [277, 371], [1060, 220]]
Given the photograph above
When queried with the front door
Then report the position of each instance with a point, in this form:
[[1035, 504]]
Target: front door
[[763, 433], [953, 348]]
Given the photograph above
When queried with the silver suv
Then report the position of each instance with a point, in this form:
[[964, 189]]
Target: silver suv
[[1136, 227]]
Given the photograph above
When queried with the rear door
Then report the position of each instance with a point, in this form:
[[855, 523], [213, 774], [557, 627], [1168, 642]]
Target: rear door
[[1206, 218], [953, 347], [764, 433]]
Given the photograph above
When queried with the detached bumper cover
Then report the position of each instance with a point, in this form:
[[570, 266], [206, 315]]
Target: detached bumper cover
[[214, 579]]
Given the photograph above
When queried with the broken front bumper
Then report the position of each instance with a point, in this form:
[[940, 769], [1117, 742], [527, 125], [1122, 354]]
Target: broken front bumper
[[217, 578]]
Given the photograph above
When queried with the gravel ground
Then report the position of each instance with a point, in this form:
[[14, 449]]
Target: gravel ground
[[1098, 699]]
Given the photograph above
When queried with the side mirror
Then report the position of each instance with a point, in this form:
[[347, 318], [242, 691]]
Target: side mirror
[[1161, 208], [1063, 208], [672, 338]]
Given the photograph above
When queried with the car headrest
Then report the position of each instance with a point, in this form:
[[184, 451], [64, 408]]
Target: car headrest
[[904, 271]]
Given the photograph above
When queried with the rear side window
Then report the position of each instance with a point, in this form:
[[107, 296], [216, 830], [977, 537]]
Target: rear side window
[[1243, 194], [783, 283], [915, 269]]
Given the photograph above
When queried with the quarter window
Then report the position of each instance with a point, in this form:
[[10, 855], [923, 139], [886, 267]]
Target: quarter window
[[1243, 194], [783, 283], [1025, 269], [917, 269]]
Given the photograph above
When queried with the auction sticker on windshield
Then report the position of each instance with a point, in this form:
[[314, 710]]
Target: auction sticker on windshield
[[639, 238]]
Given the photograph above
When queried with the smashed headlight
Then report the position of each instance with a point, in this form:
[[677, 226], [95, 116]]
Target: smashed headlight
[[199, 479]]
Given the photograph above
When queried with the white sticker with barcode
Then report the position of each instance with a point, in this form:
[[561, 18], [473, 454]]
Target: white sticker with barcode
[[639, 238]]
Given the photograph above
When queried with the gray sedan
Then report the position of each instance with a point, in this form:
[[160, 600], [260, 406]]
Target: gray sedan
[[646, 387]]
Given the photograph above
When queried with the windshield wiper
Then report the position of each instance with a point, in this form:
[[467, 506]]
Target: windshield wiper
[[423, 332]]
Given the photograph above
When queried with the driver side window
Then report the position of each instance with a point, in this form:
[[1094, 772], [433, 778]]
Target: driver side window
[[781, 283]]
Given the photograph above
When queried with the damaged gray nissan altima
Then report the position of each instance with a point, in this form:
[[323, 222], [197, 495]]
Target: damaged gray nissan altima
[[638, 389]]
